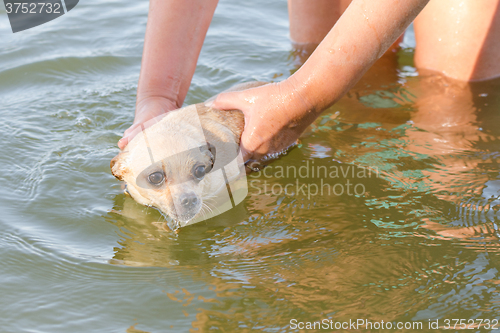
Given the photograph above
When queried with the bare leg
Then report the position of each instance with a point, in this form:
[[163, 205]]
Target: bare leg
[[459, 38], [310, 21]]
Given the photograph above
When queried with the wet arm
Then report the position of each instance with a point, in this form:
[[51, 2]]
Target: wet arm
[[174, 36], [276, 114], [361, 36]]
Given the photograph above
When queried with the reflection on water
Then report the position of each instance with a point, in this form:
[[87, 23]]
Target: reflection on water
[[419, 242], [388, 253]]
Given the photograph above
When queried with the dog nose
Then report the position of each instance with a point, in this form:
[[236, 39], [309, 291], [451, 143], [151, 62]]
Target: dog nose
[[189, 200]]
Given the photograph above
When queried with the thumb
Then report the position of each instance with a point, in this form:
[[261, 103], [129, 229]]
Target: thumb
[[227, 101], [232, 101], [123, 142]]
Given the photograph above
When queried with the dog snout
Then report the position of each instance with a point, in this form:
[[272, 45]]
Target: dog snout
[[189, 200]]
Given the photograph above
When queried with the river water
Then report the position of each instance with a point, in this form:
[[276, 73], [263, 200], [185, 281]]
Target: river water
[[391, 214]]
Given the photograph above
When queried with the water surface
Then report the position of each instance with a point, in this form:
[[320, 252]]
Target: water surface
[[418, 241]]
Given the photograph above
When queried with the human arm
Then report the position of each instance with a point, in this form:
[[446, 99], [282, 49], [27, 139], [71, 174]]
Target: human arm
[[174, 36], [276, 114]]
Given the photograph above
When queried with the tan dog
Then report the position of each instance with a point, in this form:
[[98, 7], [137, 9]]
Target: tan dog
[[182, 163]]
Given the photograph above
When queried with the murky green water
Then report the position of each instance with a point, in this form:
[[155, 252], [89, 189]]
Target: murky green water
[[413, 238]]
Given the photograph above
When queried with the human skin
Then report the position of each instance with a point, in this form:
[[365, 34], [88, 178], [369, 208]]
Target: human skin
[[459, 38], [276, 114], [310, 24], [171, 49], [285, 109]]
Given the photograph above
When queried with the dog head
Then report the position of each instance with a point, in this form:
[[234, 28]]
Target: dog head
[[175, 164]]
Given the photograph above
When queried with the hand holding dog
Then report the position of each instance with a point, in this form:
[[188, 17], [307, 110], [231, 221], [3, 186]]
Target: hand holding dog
[[275, 116], [146, 110]]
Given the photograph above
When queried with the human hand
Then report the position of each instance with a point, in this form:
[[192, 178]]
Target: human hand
[[275, 116], [146, 110]]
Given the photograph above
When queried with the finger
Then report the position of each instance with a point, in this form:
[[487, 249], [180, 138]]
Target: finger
[[128, 135], [227, 101], [129, 130], [232, 101], [122, 143]]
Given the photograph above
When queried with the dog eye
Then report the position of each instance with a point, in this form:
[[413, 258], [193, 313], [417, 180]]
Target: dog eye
[[199, 171], [156, 178]]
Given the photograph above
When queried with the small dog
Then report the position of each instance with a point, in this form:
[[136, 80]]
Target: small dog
[[183, 163]]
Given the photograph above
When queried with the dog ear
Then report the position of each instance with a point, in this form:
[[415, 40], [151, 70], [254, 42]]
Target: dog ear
[[210, 151], [211, 148], [116, 166]]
